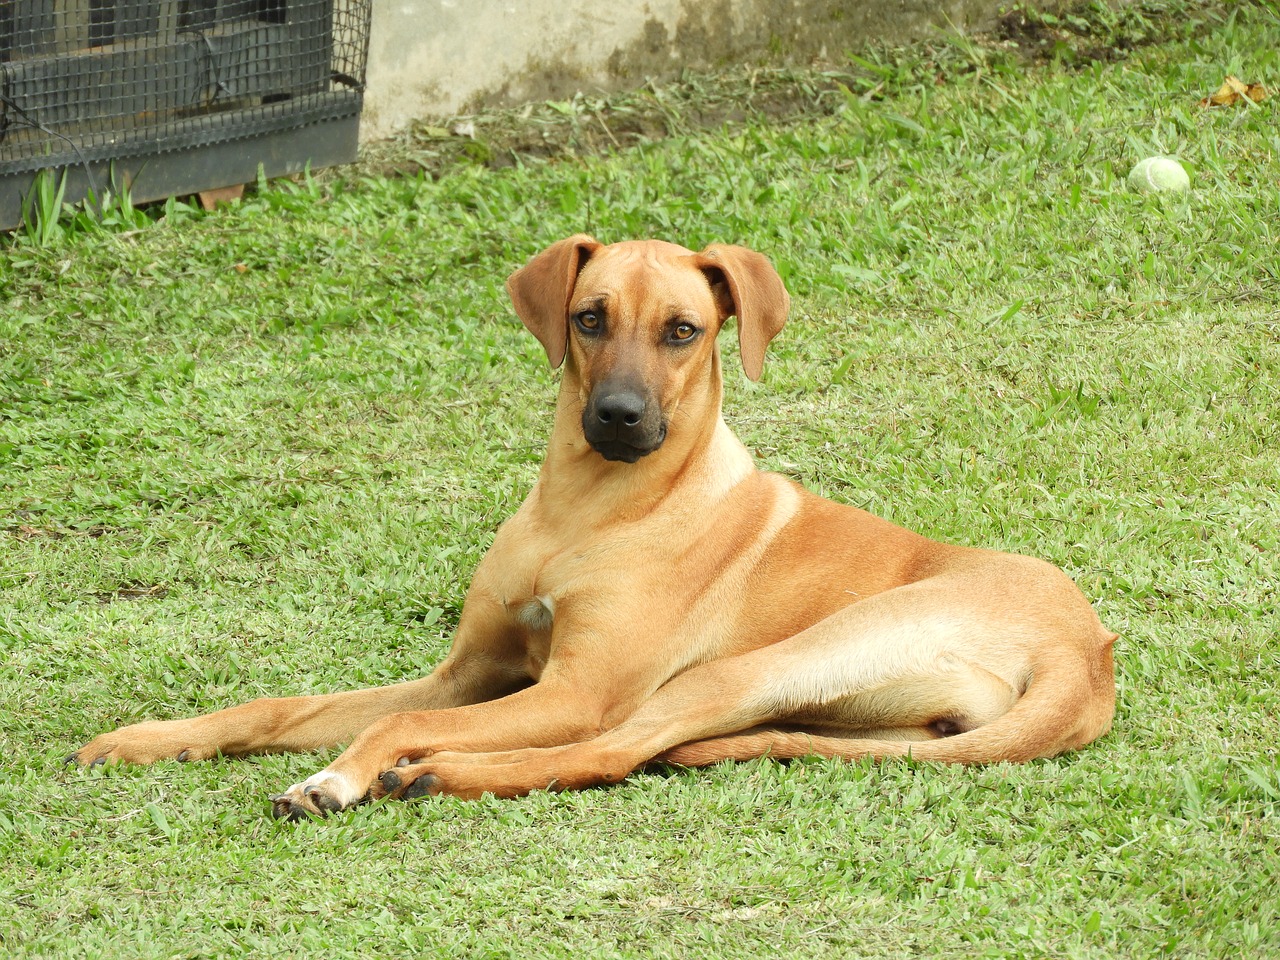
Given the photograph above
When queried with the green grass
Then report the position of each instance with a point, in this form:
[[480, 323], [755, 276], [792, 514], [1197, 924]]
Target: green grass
[[260, 452]]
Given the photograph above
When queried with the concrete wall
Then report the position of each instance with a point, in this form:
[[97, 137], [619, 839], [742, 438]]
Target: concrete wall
[[434, 58]]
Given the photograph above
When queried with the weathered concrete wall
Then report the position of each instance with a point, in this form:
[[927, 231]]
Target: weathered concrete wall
[[440, 57]]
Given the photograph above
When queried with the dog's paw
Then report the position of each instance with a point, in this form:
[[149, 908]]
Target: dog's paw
[[407, 782], [143, 743], [319, 795]]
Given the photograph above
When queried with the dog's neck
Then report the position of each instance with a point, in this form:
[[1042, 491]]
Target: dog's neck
[[700, 460]]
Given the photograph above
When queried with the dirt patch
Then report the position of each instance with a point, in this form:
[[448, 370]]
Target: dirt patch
[[29, 531], [1046, 38], [586, 125], [134, 591]]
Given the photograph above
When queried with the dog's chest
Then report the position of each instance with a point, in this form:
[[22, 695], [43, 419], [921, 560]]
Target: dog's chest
[[536, 614]]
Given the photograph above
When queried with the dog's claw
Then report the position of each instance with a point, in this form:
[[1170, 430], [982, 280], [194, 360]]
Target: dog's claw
[[282, 808], [390, 780], [70, 758]]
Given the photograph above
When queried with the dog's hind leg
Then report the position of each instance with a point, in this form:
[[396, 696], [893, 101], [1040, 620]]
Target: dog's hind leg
[[789, 743], [918, 662]]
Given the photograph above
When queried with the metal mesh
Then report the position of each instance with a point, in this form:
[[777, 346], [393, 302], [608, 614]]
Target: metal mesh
[[87, 80]]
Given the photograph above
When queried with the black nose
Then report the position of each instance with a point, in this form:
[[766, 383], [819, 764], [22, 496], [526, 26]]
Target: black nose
[[622, 409], [622, 421]]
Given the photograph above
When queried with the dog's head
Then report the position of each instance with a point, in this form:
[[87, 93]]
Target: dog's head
[[638, 321]]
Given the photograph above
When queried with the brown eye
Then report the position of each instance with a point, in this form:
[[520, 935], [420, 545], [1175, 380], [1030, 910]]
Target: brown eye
[[588, 321], [683, 332]]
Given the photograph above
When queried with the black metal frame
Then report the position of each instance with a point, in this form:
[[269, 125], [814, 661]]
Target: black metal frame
[[175, 96]]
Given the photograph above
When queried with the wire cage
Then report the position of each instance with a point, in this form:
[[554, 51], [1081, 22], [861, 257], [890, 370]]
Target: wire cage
[[175, 96]]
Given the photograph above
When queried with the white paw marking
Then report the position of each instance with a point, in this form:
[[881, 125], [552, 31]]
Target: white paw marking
[[329, 783]]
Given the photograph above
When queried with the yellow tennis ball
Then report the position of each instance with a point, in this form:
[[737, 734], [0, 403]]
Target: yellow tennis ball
[[1158, 175]]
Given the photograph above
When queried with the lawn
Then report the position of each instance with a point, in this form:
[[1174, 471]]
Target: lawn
[[259, 452]]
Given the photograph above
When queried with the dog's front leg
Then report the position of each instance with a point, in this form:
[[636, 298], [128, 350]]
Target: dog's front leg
[[604, 658], [549, 713], [486, 662]]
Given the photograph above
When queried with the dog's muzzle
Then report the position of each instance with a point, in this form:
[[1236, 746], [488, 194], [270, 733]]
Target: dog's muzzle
[[622, 423]]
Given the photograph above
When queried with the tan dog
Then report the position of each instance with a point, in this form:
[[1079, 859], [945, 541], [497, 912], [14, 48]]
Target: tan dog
[[656, 596]]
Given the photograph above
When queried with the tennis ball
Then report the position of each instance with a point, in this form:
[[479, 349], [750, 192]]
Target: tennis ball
[[1158, 175]]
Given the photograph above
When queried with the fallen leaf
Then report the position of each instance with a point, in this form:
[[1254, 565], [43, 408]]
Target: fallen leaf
[[1232, 90]]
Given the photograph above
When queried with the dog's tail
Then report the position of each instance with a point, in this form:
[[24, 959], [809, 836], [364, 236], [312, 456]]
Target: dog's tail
[[1063, 709]]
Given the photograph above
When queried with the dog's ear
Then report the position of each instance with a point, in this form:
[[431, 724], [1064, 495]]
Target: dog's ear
[[746, 286], [540, 291]]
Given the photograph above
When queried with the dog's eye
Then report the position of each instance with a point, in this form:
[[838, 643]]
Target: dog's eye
[[588, 320], [683, 332]]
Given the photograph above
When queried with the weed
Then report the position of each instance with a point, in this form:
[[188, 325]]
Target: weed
[[42, 209]]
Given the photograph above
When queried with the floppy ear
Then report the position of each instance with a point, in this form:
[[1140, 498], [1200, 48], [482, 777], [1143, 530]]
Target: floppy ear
[[540, 291], [747, 286]]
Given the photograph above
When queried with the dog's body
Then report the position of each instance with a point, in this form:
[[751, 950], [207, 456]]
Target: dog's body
[[658, 597]]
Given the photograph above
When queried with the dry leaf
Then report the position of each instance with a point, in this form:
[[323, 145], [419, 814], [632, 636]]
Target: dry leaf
[[1232, 90]]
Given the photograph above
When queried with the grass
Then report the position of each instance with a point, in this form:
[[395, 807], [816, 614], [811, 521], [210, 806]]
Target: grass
[[260, 451]]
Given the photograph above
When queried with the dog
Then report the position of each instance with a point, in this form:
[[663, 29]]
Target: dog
[[657, 597]]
